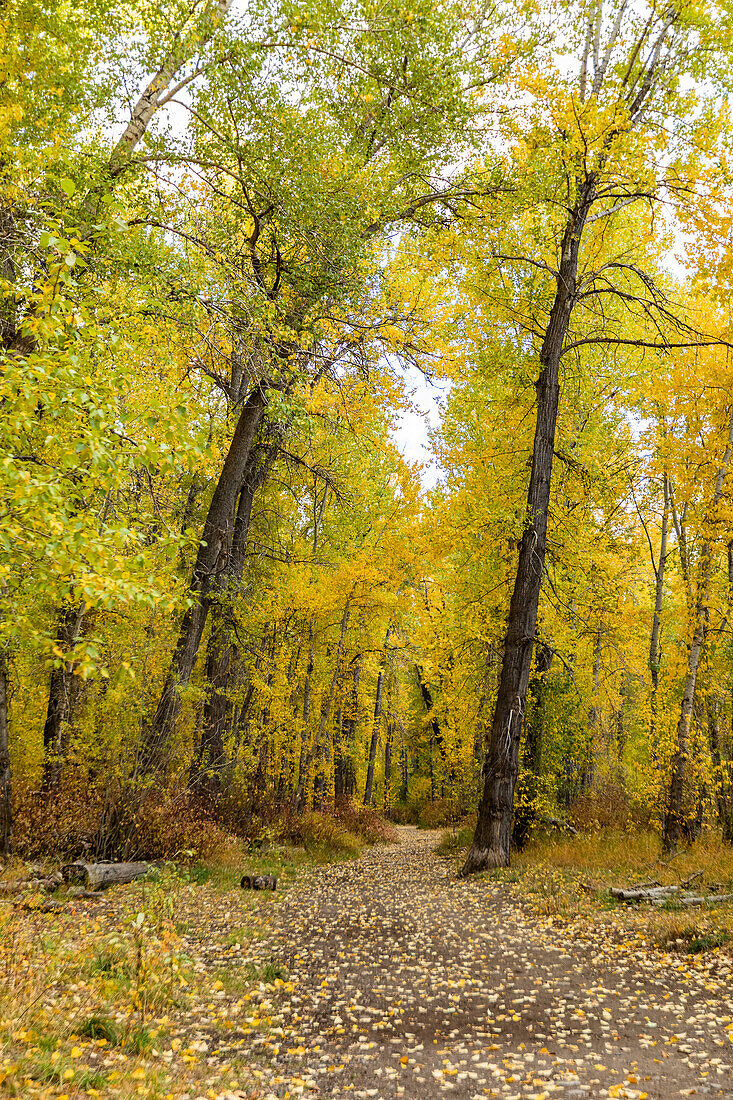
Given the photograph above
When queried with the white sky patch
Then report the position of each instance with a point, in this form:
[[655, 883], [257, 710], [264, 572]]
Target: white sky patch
[[411, 433]]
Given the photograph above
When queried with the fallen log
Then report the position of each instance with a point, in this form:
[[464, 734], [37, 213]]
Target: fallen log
[[18, 886], [97, 876], [709, 899], [644, 893]]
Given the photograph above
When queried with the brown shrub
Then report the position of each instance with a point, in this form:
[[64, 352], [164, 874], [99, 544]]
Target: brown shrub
[[438, 814], [365, 822], [81, 821], [405, 813], [605, 806]]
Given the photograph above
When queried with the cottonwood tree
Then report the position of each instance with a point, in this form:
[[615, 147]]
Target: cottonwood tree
[[358, 117], [594, 168]]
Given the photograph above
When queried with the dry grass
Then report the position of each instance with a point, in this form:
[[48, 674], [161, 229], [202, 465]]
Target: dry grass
[[570, 877], [612, 855], [104, 998]]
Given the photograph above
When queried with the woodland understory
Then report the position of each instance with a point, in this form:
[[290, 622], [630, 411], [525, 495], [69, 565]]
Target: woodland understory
[[232, 235]]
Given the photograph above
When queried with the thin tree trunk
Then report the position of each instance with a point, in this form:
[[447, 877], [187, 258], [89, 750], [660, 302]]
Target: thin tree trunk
[[437, 737], [211, 560], [405, 769], [6, 806], [307, 687], [655, 651], [388, 768], [491, 845], [349, 723], [377, 723], [526, 817], [593, 716], [299, 796], [674, 819]]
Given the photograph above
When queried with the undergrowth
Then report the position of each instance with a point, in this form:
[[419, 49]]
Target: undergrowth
[[95, 998]]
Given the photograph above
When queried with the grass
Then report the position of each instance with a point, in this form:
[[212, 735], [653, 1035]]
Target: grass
[[569, 877], [104, 998]]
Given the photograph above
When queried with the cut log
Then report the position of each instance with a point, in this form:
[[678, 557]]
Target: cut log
[[258, 882], [97, 876]]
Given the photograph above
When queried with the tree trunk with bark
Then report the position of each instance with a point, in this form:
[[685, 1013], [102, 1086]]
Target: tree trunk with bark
[[6, 804], [655, 651], [388, 768], [211, 561], [376, 724], [310, 755], [437, 733], [491, 845], [221, 650], [62, 694], [526, 817]]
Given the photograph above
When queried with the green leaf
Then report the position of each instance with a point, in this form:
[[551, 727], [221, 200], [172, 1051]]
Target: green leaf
[[68, 187]]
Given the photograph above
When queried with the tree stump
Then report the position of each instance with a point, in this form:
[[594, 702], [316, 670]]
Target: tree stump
[[258, 882]]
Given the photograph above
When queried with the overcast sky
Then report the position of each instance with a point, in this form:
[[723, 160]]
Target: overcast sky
[[413, 427]]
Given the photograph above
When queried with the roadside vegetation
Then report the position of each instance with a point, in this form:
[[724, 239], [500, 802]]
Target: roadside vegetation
[[135, 992], [569, 878]]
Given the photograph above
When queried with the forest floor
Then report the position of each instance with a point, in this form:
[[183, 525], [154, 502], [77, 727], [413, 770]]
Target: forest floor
[[384, 976]]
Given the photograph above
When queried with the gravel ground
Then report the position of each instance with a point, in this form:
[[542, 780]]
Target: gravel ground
[[407, 982]]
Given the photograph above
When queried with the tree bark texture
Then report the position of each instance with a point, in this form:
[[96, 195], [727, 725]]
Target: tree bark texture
[[211, 561], [310, 755], [6, 805], [221, 651], [491, 845], [388, 768], [437, 733], [655, 649], [535, 729], [344, 764], [97, 876], [376, 724], [62, 693]]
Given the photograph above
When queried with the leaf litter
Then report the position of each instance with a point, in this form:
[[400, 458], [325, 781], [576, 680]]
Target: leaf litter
[[381, 977]]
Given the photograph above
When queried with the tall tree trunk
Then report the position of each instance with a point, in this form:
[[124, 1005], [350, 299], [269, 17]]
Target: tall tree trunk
[[221, 650], [526, 815], [6, 806], [63, 689], [299, 796], [437, 734], [674, 818], [722, 770], [211, 561], [388, 768], [491, 845], [344, 768], [405, 768], [655, 650], [376, 724], [307, 688], [594, 718]]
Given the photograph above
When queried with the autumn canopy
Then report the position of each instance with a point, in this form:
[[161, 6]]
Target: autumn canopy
[[232, 235]]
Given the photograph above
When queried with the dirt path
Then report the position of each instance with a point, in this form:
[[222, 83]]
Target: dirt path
[[409, 983]]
